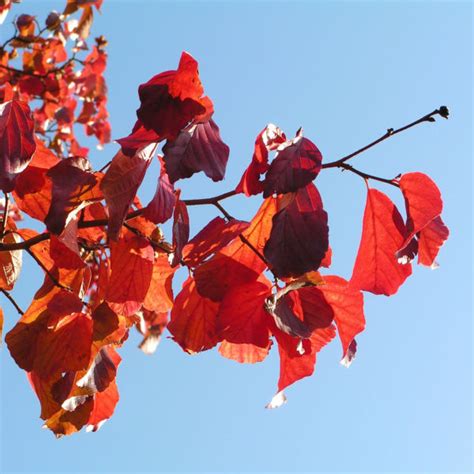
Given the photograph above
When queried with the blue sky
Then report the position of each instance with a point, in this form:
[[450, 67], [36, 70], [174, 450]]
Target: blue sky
[[345, 72]]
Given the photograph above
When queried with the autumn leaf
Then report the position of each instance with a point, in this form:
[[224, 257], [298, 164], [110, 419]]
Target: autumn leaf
[[17, 141], [430, 240], [244, 353], [120, 185], [10, 263], [376, 268], [161, 207], [214, 236], [168, 102], [73, 187], [268, 139], [242, 318], [299, 238], [198, 147], [193, 319], [422, 200], [241, 260], [180, 230], [296, 164], [131, 272]]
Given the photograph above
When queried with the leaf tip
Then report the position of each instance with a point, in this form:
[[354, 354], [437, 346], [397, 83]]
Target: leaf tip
[[277, 401]]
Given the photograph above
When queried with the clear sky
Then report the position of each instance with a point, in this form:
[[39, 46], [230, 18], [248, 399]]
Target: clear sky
[[345, 72]]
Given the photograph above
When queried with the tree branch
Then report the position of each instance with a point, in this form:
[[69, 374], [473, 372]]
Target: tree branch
[[215, 200]]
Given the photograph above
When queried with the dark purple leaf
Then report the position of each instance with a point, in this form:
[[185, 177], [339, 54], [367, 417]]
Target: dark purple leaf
[[198, 147], [17, 141], [299, 237], [295, 166]]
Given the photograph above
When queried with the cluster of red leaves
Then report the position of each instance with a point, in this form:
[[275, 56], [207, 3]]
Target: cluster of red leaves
[[108, 267], [43, 65]]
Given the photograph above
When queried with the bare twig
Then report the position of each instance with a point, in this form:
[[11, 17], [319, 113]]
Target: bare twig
[[442, 111]]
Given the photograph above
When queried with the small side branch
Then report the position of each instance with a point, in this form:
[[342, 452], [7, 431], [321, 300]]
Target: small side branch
[[350, 168], [50, 275], [12, 301]]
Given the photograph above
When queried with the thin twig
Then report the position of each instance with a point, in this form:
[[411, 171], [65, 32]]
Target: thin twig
[[442, 111], [12, 301], [244, 239], [50, 275], [350, 168]]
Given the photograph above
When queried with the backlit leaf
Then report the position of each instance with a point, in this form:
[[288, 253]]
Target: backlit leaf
[[376, 268]]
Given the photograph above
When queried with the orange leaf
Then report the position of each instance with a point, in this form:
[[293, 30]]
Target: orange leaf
[[244, 353]]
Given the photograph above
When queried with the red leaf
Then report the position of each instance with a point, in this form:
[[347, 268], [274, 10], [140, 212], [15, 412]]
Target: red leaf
[[73, 183], [17, 141], [299, 238], [237, 263], [160, 208], [214, 236], [120, 185], [169, 102], [298, 358], [268, 139], [242, 318], [103, 407], [348, 306], [33, 192], [198, 147], [193, 319], [296, 164], [180, 230], [422, 200], [132, 268], [139, 138], [288, 316], [376, 268], [430, 240], [65, 347]]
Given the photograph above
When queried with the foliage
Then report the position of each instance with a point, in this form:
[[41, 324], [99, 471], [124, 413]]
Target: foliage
[[107, 264]]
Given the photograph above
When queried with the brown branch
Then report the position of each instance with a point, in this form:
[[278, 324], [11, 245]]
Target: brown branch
[[12, 301]]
